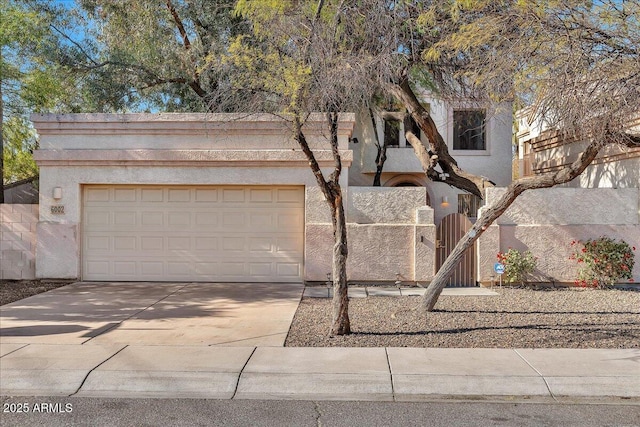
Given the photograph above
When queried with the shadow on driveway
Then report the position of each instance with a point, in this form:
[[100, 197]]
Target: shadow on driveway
[[154, 313]]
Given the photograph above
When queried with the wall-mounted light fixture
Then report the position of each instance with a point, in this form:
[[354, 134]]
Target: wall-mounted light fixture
[[57, 193], [445, 202]]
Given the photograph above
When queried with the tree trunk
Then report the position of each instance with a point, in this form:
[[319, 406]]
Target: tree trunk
[[381, 155], [1, 139], [340, 324], [491, 213], [332, 192], [438, 153]]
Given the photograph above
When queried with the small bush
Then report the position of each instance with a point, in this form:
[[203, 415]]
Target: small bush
[[517, 265], [603, 261]]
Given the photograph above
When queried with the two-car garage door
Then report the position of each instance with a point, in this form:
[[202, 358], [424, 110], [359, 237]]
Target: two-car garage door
[[193, 233]]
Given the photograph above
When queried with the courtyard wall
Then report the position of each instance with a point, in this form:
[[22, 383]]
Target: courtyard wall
[[546, 221]]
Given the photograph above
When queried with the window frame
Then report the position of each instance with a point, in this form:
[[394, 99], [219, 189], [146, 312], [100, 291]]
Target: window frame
[[383, 116], [487, 133], [386, 122]]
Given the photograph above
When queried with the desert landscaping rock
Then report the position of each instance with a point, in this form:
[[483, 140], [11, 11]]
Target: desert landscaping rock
[[15, 290], [516, 318]]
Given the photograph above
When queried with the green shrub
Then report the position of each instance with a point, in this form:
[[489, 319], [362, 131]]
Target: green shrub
[[517, 265], [603, 261]]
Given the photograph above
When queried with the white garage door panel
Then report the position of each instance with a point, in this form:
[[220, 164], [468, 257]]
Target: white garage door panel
[[193, 233]]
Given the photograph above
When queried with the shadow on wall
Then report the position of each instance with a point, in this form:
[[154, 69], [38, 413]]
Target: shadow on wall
[[619, 174], [17, 241], [551, 244], [57, 250], [22, 192]]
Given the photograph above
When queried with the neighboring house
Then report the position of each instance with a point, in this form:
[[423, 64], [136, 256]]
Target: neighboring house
[[24, 191], [543, 150], [479, 139], [603, 201]]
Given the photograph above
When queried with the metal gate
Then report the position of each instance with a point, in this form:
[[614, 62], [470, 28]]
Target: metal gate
[[449, 232]]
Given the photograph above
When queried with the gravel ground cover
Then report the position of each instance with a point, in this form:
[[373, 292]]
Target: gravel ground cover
[[517, 318], [14, 290]]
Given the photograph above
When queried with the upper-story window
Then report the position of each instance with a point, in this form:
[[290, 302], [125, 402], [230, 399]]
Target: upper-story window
[[469, 130], [394, 132], [392, 129]]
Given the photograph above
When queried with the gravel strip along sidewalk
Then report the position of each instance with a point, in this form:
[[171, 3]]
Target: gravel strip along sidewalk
[[15, 290], [517, 318]]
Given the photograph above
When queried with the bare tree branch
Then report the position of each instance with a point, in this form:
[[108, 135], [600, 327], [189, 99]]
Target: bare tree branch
[[451, 173], [491, 213], [176, 18]]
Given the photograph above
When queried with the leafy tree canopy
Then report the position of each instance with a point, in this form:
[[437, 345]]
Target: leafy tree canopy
[[19, 143]]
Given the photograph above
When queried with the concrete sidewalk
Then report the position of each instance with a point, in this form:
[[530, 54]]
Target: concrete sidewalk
[[401, 374], [224, 341]]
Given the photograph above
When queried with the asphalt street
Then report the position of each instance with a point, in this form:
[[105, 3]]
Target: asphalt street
[[69, 411]]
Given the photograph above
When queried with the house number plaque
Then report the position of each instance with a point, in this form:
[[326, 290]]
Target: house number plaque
[[57, 209]]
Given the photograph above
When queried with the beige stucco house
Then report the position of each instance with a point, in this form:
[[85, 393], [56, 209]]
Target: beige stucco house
[[173, 196], [204, 197], [541, 149]]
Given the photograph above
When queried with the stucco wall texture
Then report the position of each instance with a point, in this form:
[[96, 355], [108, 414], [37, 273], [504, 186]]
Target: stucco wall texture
[[388, 225], [546, 221], [384, 226]]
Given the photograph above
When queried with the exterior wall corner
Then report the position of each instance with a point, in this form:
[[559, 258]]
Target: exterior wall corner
[[57, 251]]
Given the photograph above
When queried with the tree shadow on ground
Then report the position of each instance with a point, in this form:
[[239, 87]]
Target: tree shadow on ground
[[101, 307], [532, 312], [578, 327]]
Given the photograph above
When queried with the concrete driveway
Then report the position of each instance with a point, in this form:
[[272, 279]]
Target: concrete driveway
[[220, 314]]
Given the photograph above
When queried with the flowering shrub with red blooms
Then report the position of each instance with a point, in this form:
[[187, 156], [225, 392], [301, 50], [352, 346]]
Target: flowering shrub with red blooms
[[603, 261], [517, 265]]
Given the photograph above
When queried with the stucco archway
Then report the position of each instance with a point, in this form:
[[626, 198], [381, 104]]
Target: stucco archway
[[410, 181]]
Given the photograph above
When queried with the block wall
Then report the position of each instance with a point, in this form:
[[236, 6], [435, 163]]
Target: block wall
[[17, 241], [390, 233]]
